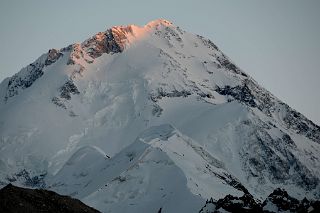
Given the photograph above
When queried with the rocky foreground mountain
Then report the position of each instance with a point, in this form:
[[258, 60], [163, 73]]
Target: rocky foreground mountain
[[138, 119], [277, 201], [14, 199]]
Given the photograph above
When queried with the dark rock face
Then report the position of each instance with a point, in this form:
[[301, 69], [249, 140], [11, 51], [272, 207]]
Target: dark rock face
[[240, 93], [15, 199], [208, 43], [232, 204], [76, 53], [68, 89], [33, 71], [28, 179], [227, 64], [103, 42], [252, 95], [53, 56], [59, 102], [119, 35], [229, 203], [282, 201], [161, 93], [17, 83], [268, 159], [301, 124], [292, 119], [277, 201], [109, 41]]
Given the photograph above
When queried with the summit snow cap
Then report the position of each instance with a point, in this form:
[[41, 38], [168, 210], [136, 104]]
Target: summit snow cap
[[126, 35], [159, 22]]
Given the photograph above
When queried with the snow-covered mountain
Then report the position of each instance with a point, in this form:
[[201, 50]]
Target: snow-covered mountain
[[143, 118]]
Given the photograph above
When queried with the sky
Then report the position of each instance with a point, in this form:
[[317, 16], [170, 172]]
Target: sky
[[274, 41]]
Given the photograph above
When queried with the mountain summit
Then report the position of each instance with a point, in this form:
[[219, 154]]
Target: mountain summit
[[149, 118]]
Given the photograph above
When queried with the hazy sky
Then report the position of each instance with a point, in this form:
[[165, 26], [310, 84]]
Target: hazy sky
[[275, 41]]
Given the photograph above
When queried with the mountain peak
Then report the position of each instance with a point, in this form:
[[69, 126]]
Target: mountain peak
[[125, 35], [162, 104], [158, 22]]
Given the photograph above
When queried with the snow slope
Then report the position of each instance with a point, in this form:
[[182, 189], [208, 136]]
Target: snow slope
[[153, 117]]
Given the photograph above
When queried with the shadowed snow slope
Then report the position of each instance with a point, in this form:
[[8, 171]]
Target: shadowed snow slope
[[153, 117]]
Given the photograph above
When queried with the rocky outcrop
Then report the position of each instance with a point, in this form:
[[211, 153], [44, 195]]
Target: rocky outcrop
[[268, 159], [103, 42], [17, 83], [26, 178], [109, 41], [298, 122], [68, 89], [241, 93], [31, 73], [277, 201], [252, 95], [53, 56], [15, 199]]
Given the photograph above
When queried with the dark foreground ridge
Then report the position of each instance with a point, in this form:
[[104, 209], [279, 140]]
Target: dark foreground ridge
[[14, 199], [277, 201]]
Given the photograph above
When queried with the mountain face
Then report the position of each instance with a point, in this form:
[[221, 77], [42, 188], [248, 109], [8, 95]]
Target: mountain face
[[149, 118]]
